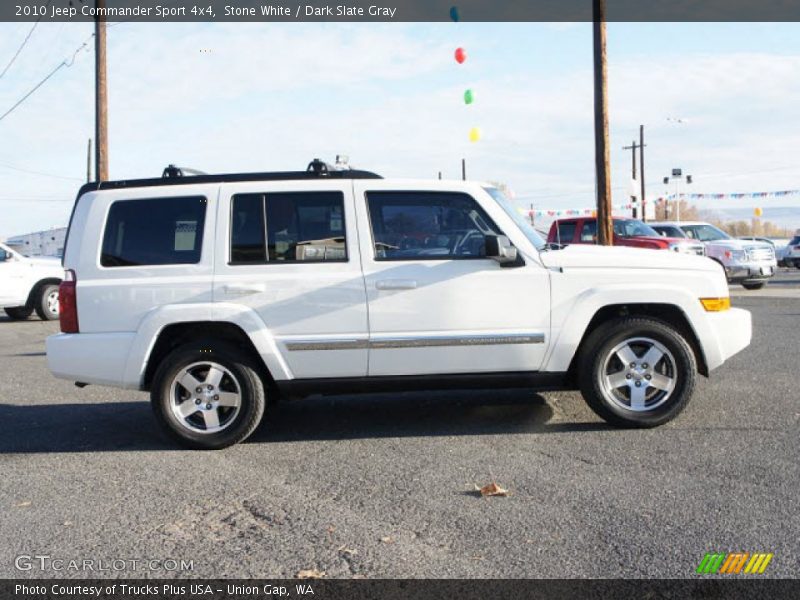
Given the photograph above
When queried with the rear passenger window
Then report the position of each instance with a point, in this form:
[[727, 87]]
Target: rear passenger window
[[288, 227], [248, 233], [154, 231]]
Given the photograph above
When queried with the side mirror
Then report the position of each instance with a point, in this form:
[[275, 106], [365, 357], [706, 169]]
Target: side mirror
[[499, 248]]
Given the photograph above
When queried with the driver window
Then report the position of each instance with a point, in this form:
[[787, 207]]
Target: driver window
[[428, 225], [3, 255]]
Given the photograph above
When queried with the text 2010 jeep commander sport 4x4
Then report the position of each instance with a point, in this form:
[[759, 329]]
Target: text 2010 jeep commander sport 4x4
[[218, 293]]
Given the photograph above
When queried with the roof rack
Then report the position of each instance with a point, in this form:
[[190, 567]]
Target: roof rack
[[173, 175], [172, 171]]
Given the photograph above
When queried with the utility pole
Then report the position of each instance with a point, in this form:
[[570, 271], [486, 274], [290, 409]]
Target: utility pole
[[633, 147], [641, 166], [464, 169], [89, 161], [101, 96], [605, 231]]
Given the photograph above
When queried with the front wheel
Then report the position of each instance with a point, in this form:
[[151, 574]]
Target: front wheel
[[47, 302], [637, 372], [754, 286], [18, 313], [208, 396]]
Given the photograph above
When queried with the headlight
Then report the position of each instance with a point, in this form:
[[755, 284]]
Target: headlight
[[679, 247], [736, 255]]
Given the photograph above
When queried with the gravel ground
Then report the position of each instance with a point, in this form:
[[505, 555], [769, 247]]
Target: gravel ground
[[382, 485]]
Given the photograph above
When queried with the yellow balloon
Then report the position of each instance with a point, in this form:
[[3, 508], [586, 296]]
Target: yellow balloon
[[474, 134], [758, 212]]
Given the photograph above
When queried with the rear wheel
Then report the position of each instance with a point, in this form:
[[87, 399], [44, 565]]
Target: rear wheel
[[208, 396], [637, 372], [18, 313], [47, 302], [754, 286]]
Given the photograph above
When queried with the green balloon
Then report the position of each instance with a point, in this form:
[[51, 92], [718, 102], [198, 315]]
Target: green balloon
[[469, 97]]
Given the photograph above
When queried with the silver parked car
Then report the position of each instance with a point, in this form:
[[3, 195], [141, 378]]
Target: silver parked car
[[751, 263]]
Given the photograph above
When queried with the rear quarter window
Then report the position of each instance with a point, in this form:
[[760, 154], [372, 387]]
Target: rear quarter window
[[154, 231]]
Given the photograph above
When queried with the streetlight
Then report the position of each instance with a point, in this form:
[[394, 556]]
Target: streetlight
[[677, 177]]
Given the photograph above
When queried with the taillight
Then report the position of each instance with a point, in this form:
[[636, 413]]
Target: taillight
[[68, 303]]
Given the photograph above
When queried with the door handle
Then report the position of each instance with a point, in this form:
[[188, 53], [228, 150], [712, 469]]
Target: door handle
[[243, 290], [396, 284]]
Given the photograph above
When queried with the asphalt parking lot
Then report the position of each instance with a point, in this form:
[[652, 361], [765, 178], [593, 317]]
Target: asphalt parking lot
[[382, 485]]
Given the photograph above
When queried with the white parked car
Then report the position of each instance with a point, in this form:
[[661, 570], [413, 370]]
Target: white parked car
[[29, 284], [791, 254], [219, 293], [751, 263]]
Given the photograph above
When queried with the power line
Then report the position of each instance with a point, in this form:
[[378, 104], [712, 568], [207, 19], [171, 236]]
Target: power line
[[65, 63], [24, 42], [42, 173], [32, 199]]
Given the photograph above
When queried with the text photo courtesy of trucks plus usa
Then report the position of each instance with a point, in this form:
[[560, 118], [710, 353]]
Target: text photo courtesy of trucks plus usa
[[399, 305]]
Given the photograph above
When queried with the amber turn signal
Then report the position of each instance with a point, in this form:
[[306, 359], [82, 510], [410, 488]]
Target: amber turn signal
[[716, 304]]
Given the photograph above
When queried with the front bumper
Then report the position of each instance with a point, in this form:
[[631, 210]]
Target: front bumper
[[732, 331], [749, 271]]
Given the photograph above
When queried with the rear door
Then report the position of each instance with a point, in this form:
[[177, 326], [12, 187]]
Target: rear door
[[289, 250]]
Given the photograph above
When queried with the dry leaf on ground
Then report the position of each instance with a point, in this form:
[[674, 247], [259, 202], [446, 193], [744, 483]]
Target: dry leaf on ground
[[492, 489], [387, 540], [310, 574]]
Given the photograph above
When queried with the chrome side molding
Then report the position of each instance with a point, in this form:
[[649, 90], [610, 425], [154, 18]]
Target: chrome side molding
[[426, 341]]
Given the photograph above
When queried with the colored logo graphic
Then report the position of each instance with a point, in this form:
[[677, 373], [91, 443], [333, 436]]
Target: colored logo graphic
[[734, 563]]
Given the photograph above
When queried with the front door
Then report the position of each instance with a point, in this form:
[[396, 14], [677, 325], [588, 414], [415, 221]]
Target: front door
[[13, 279], [437, 305]]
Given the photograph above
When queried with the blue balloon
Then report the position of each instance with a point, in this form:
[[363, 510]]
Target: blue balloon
[[454, 14]]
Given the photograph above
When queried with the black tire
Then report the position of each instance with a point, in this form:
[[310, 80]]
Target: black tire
[[45, 308], [18, 313], [596, 355], [242, 371], [754, 286]]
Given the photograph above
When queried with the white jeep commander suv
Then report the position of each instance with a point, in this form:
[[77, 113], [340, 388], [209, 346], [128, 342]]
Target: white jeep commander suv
[[218, 293]]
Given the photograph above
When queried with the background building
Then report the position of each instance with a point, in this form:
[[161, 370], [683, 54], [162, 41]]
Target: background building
[[41, 243]]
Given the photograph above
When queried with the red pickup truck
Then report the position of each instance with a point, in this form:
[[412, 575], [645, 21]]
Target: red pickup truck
[[627, 232]]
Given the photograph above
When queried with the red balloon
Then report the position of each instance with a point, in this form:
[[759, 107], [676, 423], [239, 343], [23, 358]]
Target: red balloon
[[461, 55]]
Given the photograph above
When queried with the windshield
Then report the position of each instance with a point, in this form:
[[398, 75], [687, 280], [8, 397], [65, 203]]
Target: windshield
[[669, 231], [633, 228], [705, 232], [511, 210]]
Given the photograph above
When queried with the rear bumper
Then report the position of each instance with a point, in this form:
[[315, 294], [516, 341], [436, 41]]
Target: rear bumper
[[732, 331], [98, 358]]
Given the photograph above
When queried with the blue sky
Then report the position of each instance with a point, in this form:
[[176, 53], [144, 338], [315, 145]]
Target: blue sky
[[270, 96]]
